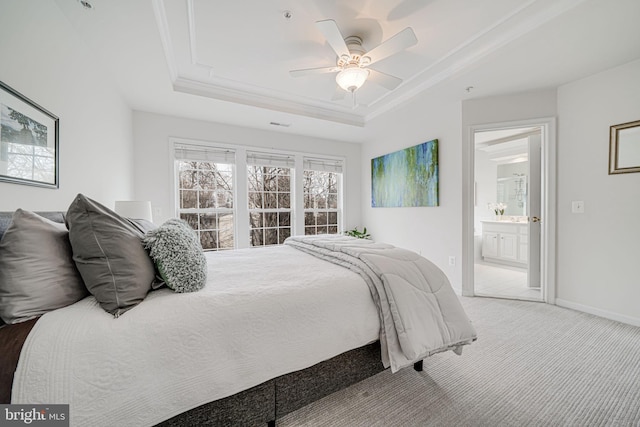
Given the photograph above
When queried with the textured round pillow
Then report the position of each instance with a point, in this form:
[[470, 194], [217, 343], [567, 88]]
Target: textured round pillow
[[178, 255]]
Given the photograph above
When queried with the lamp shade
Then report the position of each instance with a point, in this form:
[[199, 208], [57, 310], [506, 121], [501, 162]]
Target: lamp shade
[[350, 79], [134, 209]]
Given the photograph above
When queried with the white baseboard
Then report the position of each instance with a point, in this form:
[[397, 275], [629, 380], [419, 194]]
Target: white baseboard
[[634, 321]]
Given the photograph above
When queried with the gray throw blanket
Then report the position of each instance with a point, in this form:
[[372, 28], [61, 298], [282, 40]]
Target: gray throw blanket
[[420, 314]]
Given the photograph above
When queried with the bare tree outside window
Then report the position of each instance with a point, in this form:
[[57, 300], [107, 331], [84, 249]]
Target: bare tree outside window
[[269, 200], [321, 208], [206, 201]]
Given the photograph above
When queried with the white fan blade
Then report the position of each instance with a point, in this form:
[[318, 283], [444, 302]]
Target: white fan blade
[[404, 39], [387, 81], [339, 94], [331, 33], [310, 71]]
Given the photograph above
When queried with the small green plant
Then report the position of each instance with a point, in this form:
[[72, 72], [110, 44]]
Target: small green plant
[[359, 234]]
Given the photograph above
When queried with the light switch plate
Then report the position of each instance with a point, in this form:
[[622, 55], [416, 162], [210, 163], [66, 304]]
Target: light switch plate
[[577, 206]]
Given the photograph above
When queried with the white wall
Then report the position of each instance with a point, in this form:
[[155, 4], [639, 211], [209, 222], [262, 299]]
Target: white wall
[[432, 231], [42, 58], [598, 255], [153, 167], [508, 108]]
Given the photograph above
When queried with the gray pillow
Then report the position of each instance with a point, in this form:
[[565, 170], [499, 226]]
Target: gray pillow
[[37, 272], [178, 255], [109, 254], [144, 226]]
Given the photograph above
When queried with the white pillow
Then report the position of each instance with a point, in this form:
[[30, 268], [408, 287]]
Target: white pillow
[[37, 272]]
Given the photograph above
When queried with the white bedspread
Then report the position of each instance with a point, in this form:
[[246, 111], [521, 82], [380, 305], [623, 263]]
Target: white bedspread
[[174, 352]]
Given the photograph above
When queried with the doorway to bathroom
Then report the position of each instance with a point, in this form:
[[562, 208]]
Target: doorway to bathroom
[[508, 174]]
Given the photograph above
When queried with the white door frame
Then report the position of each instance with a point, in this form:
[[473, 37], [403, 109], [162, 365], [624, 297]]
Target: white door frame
[[548, 232]]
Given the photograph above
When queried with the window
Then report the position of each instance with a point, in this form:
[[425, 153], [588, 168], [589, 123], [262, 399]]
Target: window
[[240, 197], [206, 194], [321, 192], [269, 198]]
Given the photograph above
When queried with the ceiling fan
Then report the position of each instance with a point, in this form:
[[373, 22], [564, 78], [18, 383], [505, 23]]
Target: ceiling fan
[[353, 63]]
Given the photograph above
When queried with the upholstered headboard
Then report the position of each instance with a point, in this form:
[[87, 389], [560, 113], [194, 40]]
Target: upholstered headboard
[[5, 219]]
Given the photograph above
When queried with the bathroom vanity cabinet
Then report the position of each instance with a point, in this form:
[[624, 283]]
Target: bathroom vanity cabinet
[[505, 242]]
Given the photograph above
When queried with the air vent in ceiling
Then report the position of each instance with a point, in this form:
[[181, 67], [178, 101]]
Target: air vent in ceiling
[[284, 125]]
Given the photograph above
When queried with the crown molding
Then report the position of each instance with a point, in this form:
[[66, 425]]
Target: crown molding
[[165, 37], [255, 99]]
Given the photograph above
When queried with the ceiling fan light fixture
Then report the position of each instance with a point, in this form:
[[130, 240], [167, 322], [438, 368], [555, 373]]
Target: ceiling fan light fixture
[[351, 79]]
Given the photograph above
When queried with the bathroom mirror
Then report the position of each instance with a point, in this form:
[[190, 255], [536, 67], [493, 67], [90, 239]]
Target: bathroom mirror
[[624, 148], [512, 188]]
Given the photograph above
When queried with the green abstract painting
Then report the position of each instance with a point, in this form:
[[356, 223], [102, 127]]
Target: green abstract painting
[[406, 178]]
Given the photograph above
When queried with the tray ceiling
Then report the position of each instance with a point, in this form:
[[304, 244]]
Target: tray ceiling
[[229, 51], [235, 57]]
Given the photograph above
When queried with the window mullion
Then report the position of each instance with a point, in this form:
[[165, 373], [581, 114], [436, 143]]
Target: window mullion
[[297, 219], [242, 205]]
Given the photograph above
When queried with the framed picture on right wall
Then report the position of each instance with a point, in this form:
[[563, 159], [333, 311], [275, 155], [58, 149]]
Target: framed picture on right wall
[[406, 178], [624, 148]]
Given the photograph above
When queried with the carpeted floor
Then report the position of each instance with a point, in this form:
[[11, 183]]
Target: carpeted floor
[[533, 365]]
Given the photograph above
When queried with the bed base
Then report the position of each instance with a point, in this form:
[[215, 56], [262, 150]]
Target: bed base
[[271, 400]]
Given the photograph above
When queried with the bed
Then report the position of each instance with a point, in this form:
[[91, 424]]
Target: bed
[[273, 330]]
